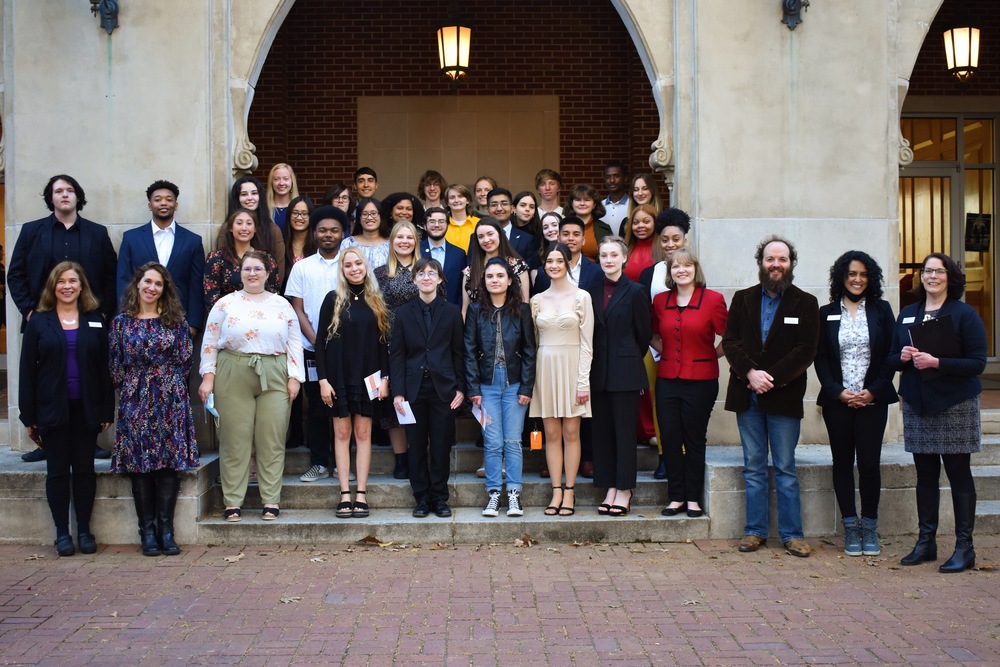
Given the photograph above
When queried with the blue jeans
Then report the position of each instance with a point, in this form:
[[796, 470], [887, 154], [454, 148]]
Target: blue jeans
[[502, 436], [759, 432]]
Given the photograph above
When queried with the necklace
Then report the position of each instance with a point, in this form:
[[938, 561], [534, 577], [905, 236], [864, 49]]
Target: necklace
[[68, 322]]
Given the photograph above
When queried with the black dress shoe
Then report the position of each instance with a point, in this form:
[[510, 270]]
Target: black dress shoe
[[421, 511], [64, 546], [442, 509], [661, 470], [694, 514], [34, 456], [87, 542], [673, 511], [100, 453]]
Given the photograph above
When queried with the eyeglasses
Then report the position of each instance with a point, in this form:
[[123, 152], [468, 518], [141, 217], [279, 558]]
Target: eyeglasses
[[436, 221], [253, 269], [499, 204], [300, 214], [342, 197], [369, 215], [934, 272], [427, 274]]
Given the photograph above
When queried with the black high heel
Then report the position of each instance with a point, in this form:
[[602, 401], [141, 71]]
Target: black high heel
[[620, 510], [554, 508], [567, 511]]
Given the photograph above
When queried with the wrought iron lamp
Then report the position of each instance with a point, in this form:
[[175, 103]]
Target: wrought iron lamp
[[108, 11], [453, 46], [961, 48]]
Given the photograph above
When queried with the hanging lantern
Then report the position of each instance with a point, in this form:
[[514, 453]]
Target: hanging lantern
[[961, 48], [453, 49]]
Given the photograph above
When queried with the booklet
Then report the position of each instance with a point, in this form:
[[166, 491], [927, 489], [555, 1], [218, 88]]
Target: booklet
[[938, 338]]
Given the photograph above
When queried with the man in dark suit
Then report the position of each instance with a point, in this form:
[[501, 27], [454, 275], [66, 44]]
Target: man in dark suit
[[770, 341], [451, 257], [163, 240], [427, 368], [582, 271], [63, 235], [500, 207]]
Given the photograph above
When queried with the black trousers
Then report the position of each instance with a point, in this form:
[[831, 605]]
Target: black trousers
[[613, 428], [683, 408], [430, 442], [856, 434], [69, 459], [317, 422], [958, 467]]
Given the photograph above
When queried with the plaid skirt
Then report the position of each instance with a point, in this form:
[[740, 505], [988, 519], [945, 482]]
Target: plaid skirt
[[957, 430]]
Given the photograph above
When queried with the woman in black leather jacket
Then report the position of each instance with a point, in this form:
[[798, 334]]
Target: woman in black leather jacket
[[500, 377]]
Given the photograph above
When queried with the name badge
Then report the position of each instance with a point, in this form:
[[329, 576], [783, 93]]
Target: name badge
[[833, 318], [95, 325], [791, 320], [909, 320]]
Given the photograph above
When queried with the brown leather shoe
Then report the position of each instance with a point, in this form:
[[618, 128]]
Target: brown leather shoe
[[751, 543], [798, 547], [587, 469]]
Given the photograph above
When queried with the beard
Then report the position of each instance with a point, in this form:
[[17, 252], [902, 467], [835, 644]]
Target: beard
[[775, 285]]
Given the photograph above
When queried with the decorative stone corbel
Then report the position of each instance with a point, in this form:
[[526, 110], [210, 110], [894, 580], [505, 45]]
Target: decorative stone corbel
[[905, 152], [661, 159], [244, 153]]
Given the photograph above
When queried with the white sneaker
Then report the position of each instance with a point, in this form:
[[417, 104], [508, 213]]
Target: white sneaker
[[514, 503], [351, 477], [315, 473], [493, 505]]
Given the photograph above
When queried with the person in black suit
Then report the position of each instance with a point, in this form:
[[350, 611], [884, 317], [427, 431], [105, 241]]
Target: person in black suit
[[583, 272], [163, 240], [451, 257], [622, 331], [501, 207], [65, 396], [856, 330], [427, 368], [63, 235]]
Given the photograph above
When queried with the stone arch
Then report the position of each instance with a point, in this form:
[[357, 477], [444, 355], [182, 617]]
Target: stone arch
[[254, 27], [913, 20]]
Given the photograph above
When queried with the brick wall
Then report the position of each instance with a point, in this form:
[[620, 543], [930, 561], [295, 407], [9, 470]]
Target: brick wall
[[930, 75], [304, 109]]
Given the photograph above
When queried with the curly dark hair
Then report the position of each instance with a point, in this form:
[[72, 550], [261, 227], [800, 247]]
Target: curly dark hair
[[956, 280], [169, 305], [792, 254], [513, 302], [838, 275]]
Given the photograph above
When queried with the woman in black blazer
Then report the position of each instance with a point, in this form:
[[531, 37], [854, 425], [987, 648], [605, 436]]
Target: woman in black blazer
[[66, 396], [622, 331], [856, 330]]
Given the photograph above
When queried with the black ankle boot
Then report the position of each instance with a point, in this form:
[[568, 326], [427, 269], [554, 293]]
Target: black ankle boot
[[925, 550], [402, 469], [964, 557], [167, 486], [143, 490]]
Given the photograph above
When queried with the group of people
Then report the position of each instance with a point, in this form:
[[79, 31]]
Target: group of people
[[360, 315]]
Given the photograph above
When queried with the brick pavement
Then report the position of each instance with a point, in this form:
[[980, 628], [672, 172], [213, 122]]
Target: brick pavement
[[545, 604]]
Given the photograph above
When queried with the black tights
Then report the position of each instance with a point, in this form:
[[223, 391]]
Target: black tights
[[958, 467], [69, 451]]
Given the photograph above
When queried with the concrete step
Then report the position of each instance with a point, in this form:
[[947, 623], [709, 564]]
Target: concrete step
[[990, 420], [987, 482], [987, 516], [466, 526]]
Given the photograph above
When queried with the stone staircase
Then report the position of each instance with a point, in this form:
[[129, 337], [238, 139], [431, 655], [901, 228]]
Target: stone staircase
[[307, 515]]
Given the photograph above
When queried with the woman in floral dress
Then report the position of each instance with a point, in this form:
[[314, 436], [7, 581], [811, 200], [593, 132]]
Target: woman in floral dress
[[150, 357]]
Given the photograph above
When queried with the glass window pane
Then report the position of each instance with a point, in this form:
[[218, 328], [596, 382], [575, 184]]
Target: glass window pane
[[979, 227], [930, 138], [978, 141]]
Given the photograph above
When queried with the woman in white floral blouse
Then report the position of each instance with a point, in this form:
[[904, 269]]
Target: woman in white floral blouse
[[252, 356]]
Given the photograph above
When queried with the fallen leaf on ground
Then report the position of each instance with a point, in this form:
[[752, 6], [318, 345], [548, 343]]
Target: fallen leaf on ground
[[385, 544], [317, 559], [552, 549], [370, 539], [289, 599], [233, 559], [35, 557], [691, 602], [986, 568]]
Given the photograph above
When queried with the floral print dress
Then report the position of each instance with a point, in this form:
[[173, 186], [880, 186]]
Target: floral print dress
[[149, 367]]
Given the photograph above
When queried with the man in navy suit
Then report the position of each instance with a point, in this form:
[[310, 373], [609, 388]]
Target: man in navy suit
[[451, 257], [163, 240], [582, 271], [63, 235], [498, 201]]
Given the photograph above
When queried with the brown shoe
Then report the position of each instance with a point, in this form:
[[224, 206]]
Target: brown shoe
[[751, 543], [798, 547], [587, 469]]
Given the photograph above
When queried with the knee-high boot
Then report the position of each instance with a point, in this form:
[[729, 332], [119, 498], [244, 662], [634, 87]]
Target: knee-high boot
[[143, 486], [167, 486], [925, 550], [964, 557]]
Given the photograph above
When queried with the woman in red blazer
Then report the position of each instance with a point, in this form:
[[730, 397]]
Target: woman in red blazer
[[687, 320]]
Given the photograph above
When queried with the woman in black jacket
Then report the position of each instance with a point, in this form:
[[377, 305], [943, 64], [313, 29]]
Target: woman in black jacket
[[622, 332], [65, 396], [500, 376], [856, 330]]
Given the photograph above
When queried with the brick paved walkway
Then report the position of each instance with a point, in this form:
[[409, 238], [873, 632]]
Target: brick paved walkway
[[636, 604]]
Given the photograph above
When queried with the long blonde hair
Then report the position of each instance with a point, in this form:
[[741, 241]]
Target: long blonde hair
[[393, 262], [373, 297], [292, 194]]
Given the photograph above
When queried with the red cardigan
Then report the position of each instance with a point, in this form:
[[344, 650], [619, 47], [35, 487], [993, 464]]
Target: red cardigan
[[689, 335]]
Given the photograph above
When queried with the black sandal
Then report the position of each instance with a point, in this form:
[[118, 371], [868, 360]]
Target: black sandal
[[360, 510], [344, 508], [270, 513], [622, 510], [567, 511], [232, 514], [604, 509], [554, 508]]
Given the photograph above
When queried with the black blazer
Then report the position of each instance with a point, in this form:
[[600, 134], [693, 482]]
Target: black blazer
[[621, 337], [878, 377], [440, 352], [42, 397], [34, 258], [590, 274], [455, 261], [786, 354], [959, 377], [186, 266]]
